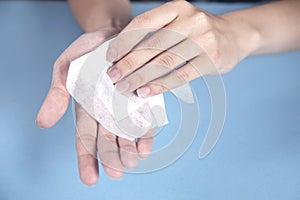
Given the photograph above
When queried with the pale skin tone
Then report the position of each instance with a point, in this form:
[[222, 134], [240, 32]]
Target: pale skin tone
[[226, 39], [116, 154]]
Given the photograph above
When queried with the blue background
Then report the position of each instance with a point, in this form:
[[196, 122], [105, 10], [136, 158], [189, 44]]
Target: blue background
[[257, 156]]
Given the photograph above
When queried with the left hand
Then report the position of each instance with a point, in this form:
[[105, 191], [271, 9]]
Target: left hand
[[115, 153], [202, 43]]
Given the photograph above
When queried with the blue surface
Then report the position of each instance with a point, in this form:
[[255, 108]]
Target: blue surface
[[257, 157]]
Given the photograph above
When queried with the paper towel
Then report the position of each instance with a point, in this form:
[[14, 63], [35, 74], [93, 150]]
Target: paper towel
[[127, 116]]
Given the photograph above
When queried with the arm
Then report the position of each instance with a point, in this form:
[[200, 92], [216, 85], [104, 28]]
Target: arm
[[94, 14], [199, 42], [275, 26], [57, 99], [100, 19]]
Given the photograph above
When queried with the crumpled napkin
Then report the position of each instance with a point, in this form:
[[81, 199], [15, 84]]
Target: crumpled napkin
[[127, 116]]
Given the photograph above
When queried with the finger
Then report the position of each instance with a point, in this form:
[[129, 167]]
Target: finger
[[54, 106], [199, 66], [147, 49], [148, 73], [128, 152], [109, 153], [57, 99], [141, 51], [88, 169], [145, 143], [160, 66], [86, 142], [138, 28]]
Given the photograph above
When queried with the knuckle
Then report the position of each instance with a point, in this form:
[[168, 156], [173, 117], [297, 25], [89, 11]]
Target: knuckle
[[126, 65], [158, 87], [61, 62], [222, 70], [60, 68], [211, 36], [170, 3], [141, 20], [180, 3], [201, 16], [153, 42], [195, 69], [118, 42], [216, 55], [85, 138], [166, 60], [184, 76], [106, 137], [128, 148], [203, 19], [136, 79], [175, 4], [59, 89], [214, 50]]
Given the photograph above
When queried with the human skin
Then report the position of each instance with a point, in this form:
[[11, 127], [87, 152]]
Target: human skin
[[226, 39], [150, 67], [100, 19]]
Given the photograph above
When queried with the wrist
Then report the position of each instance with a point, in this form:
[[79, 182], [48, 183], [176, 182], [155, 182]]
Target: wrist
[[246, 36], [93, 15], [108, 23]]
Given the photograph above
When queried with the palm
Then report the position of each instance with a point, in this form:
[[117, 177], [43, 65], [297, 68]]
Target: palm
[[115, 153]]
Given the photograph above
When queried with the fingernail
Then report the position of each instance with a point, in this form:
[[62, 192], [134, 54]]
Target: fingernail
[[111, 54], [143, 92], [114, 75], [38, 125], [142, 158], [122, 86]]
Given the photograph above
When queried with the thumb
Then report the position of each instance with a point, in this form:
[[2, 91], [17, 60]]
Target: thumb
[[53, 108], [56, 102]]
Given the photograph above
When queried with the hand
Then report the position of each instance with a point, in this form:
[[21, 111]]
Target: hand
[[204, 44], [115, 153], [89, 134], [57, 100]]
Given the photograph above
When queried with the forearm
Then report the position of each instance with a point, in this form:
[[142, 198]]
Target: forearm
[[269, 28], [94, 14]]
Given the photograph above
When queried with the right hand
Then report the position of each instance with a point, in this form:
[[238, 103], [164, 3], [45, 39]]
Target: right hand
[[115, 153]]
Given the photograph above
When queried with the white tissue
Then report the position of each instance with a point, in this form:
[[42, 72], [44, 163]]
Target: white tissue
[[127, 116]]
